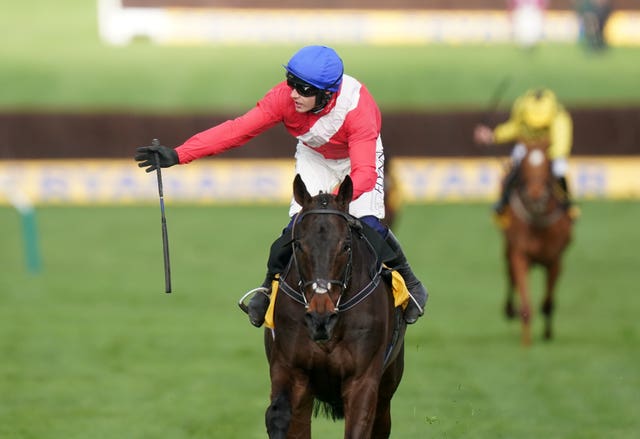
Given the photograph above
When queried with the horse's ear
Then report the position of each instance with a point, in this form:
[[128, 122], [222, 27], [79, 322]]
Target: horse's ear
[[300, 192], [345, 193]]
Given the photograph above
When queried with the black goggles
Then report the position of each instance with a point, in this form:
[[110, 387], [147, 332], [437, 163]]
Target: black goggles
[[303, 88]]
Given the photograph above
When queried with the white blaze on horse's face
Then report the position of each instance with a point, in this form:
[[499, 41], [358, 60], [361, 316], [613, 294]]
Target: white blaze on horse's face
[[536, 158]]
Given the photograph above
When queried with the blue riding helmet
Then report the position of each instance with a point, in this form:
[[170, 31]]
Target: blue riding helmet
[[319, 66]]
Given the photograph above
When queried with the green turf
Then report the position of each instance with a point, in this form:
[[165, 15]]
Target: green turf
[[52, 59], [93, 348]]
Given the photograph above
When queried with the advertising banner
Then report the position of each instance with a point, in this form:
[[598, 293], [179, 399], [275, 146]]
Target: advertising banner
[[217, 181]]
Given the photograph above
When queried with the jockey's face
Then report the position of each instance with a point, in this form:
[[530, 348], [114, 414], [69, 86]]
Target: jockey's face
[[302, 103]]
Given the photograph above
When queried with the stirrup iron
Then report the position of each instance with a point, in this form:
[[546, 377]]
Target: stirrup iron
[[241, 303]]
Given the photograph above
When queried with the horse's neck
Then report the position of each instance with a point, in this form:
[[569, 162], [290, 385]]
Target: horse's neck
[[525, 209], [364, 259]]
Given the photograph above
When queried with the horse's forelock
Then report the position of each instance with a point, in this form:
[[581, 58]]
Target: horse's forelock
[[324, 201]]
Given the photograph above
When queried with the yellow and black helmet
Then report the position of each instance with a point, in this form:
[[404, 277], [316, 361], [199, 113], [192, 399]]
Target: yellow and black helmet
[[539, 107]]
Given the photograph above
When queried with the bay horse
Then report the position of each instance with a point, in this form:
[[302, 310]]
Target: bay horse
[[337, 344], [537, 230]]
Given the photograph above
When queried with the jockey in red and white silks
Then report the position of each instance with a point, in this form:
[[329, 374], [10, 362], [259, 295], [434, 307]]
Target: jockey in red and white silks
[[342, 139], [337, 124]]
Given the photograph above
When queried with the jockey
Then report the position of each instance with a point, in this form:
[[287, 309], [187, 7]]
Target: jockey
[[337, 125], [535, 116]]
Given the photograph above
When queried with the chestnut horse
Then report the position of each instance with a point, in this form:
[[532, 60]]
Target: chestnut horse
[[537, 230], [337, 346]]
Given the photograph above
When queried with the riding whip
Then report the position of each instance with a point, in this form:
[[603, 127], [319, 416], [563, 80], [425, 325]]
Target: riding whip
[[494, 102], [165, 237], [497, 95]]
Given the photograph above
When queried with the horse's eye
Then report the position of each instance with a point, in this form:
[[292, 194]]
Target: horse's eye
[[346, 248]]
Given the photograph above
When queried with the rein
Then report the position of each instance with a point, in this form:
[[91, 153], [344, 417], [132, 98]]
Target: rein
[[298, 294]]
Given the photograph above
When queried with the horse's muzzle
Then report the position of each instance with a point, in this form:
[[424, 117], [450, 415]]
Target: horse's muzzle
[[321, 326]]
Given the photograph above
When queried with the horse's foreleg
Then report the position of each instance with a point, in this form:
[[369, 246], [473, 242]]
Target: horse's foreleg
[[289, 414], [388, 386], [360, 399], [278, 416], [382, 425], [520, 267], [301, 409], [286, 421], [553, 271]]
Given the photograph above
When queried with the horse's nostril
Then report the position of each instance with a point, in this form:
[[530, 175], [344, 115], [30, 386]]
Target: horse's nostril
[[308, 318]]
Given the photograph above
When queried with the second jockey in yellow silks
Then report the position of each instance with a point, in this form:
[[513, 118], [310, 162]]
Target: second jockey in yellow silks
[[535, 116]]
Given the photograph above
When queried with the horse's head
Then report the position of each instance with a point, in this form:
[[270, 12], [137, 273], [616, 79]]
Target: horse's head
[[322, 253], [536, 182]]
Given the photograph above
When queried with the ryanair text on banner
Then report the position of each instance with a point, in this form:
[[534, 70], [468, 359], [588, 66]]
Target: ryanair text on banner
[[225, 181]]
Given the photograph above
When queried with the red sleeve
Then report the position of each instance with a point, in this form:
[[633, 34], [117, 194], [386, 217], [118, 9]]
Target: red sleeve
[[235, 132], [363, 131]]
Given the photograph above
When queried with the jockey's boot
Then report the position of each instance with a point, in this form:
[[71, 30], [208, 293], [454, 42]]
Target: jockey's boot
[[418, 292], [259, 303], [507, 185], [572, 210], [279, 256]]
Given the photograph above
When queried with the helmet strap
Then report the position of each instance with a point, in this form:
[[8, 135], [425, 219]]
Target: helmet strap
[[322, 99]]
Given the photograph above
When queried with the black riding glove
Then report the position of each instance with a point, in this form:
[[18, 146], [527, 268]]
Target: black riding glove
[[166, 157]]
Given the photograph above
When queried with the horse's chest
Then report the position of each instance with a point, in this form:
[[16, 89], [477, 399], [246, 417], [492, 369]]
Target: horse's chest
[[326, 358], [539, 245]]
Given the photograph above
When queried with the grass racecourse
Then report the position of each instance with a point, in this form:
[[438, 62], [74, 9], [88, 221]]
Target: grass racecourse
[[92, 347]]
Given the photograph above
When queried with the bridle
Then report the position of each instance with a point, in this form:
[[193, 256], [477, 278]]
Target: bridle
[[323, 287], [534, 211], [346, 272]]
